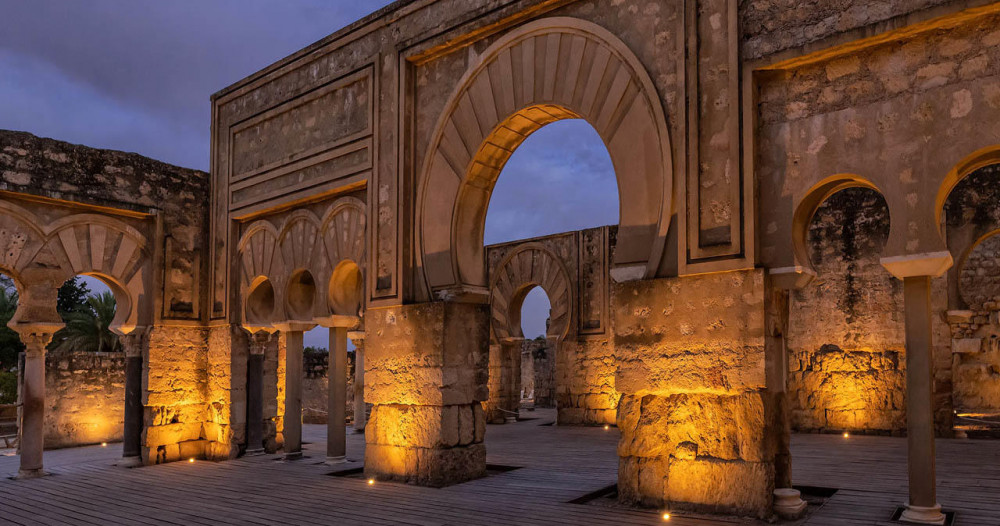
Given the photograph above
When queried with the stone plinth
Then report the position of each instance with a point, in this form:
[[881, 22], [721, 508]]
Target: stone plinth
[[695, 418], [425, 374]]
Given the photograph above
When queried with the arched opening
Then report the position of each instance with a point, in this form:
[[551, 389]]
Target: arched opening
[[260, 303], [88, 406], [538, 365], [346, 289], [972, 230], [10, 349], [475, 136], [300, 296], [847, 327]]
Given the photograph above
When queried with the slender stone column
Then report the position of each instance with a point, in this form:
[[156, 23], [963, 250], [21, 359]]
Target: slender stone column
[[134, 343], [360, 407], [923, 506], [293, 387], [336, 421], [33, 404], [255, 393]]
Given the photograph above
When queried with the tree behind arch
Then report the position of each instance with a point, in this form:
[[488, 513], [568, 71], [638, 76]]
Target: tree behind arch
[[88, 329]]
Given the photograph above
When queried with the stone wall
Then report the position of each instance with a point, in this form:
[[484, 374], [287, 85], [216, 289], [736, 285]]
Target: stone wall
[[315, 394], [846, 332], [770, 26], [973, 217], [694, 415], [175, 402], [538, 381], [84, 398]]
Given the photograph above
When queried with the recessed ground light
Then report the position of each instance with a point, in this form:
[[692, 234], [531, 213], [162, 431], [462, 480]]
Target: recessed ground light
[[191, 460], [371, 482], [847, 435], [104, 444], [666, 516], [606, 427]]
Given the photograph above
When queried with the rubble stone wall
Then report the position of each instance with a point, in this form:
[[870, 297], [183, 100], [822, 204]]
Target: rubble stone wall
[[84, 398]]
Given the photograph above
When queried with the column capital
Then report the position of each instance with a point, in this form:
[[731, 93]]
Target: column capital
[[930, 264], [337, 320], [36, 336], [135, 341], [792, 278], [294, 326], [259, 341]]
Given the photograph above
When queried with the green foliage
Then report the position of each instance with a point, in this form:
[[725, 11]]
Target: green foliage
[[72, 296], [10, 342], [8, 387], [314, 351], [88, 327]]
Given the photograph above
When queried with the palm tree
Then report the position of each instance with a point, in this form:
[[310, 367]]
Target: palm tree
[[89, 329]]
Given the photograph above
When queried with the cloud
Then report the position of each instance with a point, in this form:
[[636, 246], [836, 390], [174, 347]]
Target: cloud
[[137, 76]]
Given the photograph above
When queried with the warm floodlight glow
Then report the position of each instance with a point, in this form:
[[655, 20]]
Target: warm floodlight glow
[[191, 460], [847, 435], [371, 482], [666, 516], [104, 444], [606, 427]]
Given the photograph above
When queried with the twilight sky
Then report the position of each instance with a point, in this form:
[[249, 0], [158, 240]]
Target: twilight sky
[[136, 75]]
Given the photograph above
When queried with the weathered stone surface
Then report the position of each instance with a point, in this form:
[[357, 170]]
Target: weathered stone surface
[[425, 371], [690, 334], [84, 398], [426, 354]]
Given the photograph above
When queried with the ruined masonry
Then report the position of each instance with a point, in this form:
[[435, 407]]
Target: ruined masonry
[[807, 197]]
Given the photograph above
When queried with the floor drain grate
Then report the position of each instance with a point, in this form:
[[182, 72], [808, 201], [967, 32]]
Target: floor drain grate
[[949, 516], [353, 473], [607, 492]]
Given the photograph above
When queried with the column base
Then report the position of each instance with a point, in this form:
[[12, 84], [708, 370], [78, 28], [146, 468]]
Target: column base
[[25, 474], [510, 420], [295, 455], [923, 514], [129, 462], [255, 452], [788, 503], [333, 461]]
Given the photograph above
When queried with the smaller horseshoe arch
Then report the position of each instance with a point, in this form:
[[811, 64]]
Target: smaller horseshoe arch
[[523, 269]]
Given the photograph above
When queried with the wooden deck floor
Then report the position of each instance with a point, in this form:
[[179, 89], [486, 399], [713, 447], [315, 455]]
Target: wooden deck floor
[[557, 465]]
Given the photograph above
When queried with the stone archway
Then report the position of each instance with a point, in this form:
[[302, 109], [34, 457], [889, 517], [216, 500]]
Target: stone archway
[[40, 254], [529, 266], [547, 70]]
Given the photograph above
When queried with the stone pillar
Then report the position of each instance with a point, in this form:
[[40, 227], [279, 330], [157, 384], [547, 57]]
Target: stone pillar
[[293, 387], [360, 407], [923, 506], [32, 426], [426, 372], [255, 393], [917, 271], [135, 344], [788, 503], [336, 421], [695, 415]]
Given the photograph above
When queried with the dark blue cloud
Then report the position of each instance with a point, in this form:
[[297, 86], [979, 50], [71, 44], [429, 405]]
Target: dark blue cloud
[[137, 76]]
